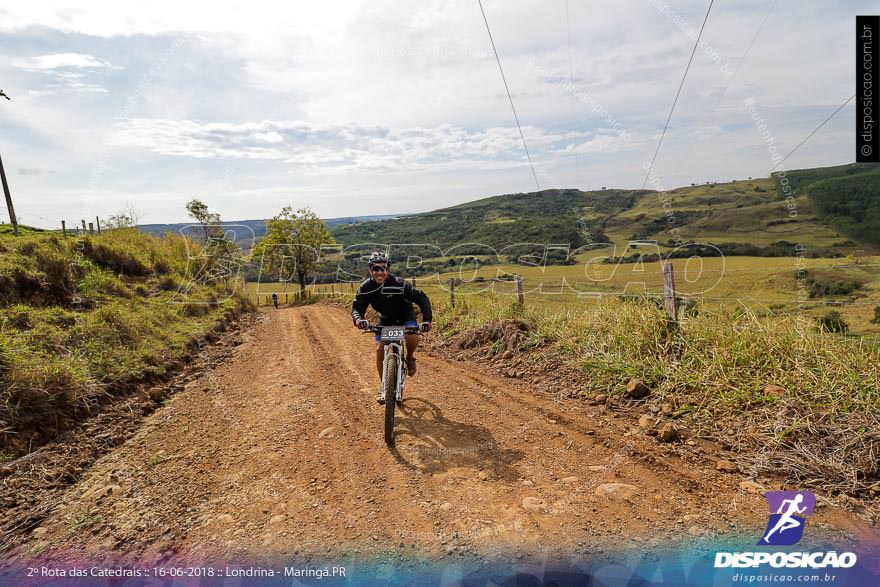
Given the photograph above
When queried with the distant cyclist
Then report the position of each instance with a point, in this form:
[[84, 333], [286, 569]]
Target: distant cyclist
[[275, 300], [392, 298]]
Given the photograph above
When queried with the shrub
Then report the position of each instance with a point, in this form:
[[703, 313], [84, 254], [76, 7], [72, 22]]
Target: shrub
[[38, 270], [125, 260], [54, 361], [822, 286], [832, 322], [168, 283]]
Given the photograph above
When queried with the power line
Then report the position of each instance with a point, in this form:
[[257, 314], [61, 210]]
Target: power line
[[709, 116], [509, 97], [839, 108], [678, 93], [577, 166]]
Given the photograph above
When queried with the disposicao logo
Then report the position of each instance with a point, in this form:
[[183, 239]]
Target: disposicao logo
[[788, 512], [788, 516]]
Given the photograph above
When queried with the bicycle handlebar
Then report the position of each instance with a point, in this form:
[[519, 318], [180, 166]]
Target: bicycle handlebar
[[377, 329]]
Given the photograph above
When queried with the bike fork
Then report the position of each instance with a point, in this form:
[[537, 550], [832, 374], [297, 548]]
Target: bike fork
[[393, 348]]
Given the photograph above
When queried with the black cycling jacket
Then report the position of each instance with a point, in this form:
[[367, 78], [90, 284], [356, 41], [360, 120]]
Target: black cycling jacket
[[393, 300]]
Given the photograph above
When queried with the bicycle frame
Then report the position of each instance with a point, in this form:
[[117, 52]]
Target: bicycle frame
[[393, 339]]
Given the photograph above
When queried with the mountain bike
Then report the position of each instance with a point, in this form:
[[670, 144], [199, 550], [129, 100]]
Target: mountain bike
[[393, 370]]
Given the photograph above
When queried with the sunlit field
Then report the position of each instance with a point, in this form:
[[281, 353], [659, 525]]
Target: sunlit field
[[764, 285]]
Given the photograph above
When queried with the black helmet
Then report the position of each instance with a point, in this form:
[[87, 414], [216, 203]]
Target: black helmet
[[379, 257]]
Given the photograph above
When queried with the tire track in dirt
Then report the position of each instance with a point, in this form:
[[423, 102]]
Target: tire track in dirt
[[280, 450]]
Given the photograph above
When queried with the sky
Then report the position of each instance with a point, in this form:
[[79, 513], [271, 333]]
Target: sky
[[385, 107]]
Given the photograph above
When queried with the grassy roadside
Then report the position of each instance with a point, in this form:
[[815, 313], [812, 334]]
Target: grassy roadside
[[84, 319], [791, 400]]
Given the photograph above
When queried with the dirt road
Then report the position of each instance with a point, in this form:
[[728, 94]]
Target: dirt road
[[279, 450]]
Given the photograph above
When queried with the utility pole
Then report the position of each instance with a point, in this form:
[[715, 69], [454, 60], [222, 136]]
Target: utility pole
[[12, 219]]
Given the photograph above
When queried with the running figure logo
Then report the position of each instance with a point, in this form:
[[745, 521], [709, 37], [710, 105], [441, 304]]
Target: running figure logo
[[788, 512]]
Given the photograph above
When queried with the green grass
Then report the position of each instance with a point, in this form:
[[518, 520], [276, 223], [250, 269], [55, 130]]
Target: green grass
[[766, 286], [727, 357], [6, 230], [763, 285], [85, 318]]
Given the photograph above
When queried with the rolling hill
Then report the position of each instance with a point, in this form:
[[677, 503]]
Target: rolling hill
[[548, 216], [837, 212], [846, 196], [248, 230]]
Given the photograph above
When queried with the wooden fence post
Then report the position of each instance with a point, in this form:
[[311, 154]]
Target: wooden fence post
[[98, 224], [452, 292], [518, 283], [285, 297], [414, 281], [84, 225], [63, 228], [669, 300], [91, 228]]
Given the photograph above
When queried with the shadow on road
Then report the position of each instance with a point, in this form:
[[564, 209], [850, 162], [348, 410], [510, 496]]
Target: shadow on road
[[432, 443]]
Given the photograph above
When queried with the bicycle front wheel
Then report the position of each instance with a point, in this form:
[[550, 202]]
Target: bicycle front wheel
[[389, 385]]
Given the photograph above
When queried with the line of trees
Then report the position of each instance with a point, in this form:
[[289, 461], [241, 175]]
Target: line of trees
[[289, 250]]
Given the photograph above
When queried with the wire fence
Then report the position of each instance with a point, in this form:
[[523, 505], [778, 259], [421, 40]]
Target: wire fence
[[547, 291]]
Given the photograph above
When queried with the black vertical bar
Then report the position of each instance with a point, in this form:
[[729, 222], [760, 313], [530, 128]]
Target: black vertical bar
[[12, 219], [867, 86]]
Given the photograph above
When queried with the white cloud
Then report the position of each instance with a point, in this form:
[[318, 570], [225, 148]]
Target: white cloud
[[66, 73], [324, 148], [60, 61], [321, 100]]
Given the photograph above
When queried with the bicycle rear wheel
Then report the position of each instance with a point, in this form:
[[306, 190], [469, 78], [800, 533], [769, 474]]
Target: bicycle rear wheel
[[389, 385]]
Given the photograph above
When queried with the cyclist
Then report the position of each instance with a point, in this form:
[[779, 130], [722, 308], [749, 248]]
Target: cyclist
[[392, 298], [275, 300]]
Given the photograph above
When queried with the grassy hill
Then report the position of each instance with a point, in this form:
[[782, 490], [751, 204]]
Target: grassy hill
[[838, 211], [6, 229], [846, 197], [83, 319], [548, 216]]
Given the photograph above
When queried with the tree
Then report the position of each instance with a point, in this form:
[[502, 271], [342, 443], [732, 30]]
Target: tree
[[210, 221], [127, 218], [221, 256], [293, 243]]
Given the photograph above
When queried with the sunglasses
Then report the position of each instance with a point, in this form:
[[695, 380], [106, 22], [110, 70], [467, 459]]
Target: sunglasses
[[377, 268]]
